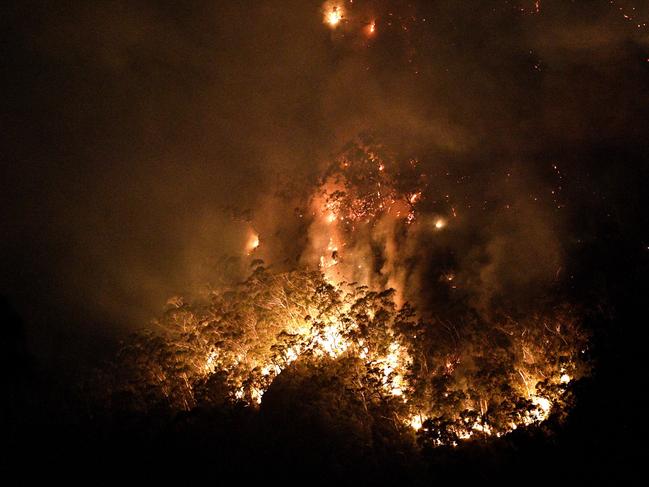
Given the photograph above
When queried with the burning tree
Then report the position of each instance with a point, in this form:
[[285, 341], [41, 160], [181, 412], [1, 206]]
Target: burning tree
[[446, 381]]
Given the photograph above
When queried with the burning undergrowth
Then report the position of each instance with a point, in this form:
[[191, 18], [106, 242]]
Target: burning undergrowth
[[448, 373]]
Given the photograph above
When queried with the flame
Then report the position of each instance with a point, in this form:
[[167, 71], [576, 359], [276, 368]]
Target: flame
[[210, 362], [252, 242], [332, 342], [391, 365], [543, 407], [334, 15], [416, 421]]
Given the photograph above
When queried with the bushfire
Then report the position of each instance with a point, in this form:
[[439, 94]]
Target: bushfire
[[445, 381]]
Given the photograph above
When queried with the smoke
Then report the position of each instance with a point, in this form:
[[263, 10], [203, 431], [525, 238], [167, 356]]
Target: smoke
[[147, 140]]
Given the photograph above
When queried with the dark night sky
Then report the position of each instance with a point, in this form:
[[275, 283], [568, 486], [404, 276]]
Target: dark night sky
[[130, 127]]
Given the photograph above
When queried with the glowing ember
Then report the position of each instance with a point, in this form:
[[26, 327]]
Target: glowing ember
[[440, 223]]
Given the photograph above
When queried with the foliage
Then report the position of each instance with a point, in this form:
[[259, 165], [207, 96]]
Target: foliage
[[348, 355]]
